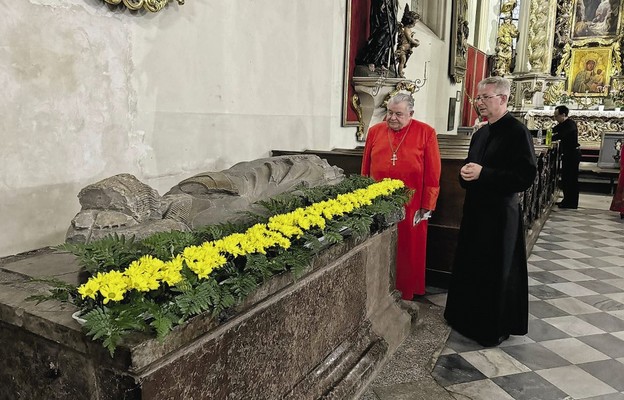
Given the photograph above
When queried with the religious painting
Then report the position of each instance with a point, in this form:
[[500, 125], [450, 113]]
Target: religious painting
[[610, 150], [459, 41], [595, 18], [590, 71]]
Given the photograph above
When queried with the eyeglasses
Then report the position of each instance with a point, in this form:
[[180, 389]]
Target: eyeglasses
[[485, 97]]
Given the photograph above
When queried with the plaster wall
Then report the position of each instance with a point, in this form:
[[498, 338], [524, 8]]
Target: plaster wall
[[92, 90]]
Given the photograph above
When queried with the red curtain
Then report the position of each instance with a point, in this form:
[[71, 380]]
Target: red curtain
[[476, 70], [357, 36]]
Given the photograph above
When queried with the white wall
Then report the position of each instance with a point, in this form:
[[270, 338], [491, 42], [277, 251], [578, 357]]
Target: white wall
[[91, 91]]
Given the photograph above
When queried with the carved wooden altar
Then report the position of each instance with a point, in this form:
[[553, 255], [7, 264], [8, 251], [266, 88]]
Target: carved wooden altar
[[591, 123]]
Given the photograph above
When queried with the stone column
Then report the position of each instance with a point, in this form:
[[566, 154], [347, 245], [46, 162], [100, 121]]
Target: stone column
[[534, 53], [535, 43]]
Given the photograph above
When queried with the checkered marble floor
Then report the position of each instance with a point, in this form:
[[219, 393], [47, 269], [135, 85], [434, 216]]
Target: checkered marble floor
[[575, 345]]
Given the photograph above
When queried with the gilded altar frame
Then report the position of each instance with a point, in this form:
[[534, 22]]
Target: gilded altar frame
[[588, 39], [600, 59]]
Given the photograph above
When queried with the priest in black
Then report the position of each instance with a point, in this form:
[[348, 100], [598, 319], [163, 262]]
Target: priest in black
[[488, 295], [567, 132]]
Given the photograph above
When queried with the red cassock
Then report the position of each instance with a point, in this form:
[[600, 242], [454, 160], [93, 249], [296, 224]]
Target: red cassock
[[618, 198], [417, 164]]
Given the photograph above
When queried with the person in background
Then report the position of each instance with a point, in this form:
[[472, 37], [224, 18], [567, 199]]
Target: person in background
[[403, 148], [567, 133], [488, 293], [617, 204]]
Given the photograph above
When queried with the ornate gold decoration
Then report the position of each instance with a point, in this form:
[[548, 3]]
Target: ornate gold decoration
[[459, 41], [602, 42], [590, 123], [408, 86], [359, 134], [562, 25], [538, 47], [553, 92], [586, 102], [584, 78], [507, 32], [149, 5]]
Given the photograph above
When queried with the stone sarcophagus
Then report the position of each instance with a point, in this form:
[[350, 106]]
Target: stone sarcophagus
[[323, 335]]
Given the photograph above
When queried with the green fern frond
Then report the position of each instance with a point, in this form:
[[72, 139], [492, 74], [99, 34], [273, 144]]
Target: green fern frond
[[109, 253], [199, 299], [57, 290], [165, 245], [259, 266], [111, 325], [240, 285]]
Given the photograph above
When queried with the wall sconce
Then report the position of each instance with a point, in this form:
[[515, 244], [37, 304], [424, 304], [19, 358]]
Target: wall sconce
[[418, 83]]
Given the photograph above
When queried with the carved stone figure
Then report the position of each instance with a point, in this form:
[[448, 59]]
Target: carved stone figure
[[122, 204], [507, 32], [380, 44], [462, 39], [406, 40]]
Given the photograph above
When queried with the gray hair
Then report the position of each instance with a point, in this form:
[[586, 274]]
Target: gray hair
[[502, 85], [403, 97]]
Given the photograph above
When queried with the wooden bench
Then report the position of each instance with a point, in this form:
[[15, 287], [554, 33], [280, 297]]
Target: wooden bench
[[593, 176]]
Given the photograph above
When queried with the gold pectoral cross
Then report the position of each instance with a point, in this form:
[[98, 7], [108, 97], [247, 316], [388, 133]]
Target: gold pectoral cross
[[394, 158]]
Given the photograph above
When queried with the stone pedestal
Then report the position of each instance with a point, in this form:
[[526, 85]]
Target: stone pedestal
[[373, 93], [528, 90], [323, 335]]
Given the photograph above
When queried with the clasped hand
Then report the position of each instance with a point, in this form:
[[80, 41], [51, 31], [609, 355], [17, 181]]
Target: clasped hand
[[470, 171]]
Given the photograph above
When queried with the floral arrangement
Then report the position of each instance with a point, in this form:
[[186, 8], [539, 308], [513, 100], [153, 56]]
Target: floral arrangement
[[617, 97], [162, 281]]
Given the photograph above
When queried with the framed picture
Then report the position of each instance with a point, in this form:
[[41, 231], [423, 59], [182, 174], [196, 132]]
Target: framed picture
[[590, 70], [459, 41], [450, 123], [596, 18], [610, 150]]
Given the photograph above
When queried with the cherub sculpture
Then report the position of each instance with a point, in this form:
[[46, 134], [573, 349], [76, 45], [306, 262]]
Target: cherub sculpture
[[406, 40]]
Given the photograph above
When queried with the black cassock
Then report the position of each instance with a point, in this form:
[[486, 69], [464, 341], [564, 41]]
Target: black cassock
[[488, 294]]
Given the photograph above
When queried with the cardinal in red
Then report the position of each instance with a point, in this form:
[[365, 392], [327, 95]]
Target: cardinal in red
[[402, 148]]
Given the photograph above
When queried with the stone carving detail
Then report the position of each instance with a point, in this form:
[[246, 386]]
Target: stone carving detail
[[553, 92], [512, 92], [528, 89], [149, 5], [122, 204], [538, 46]]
